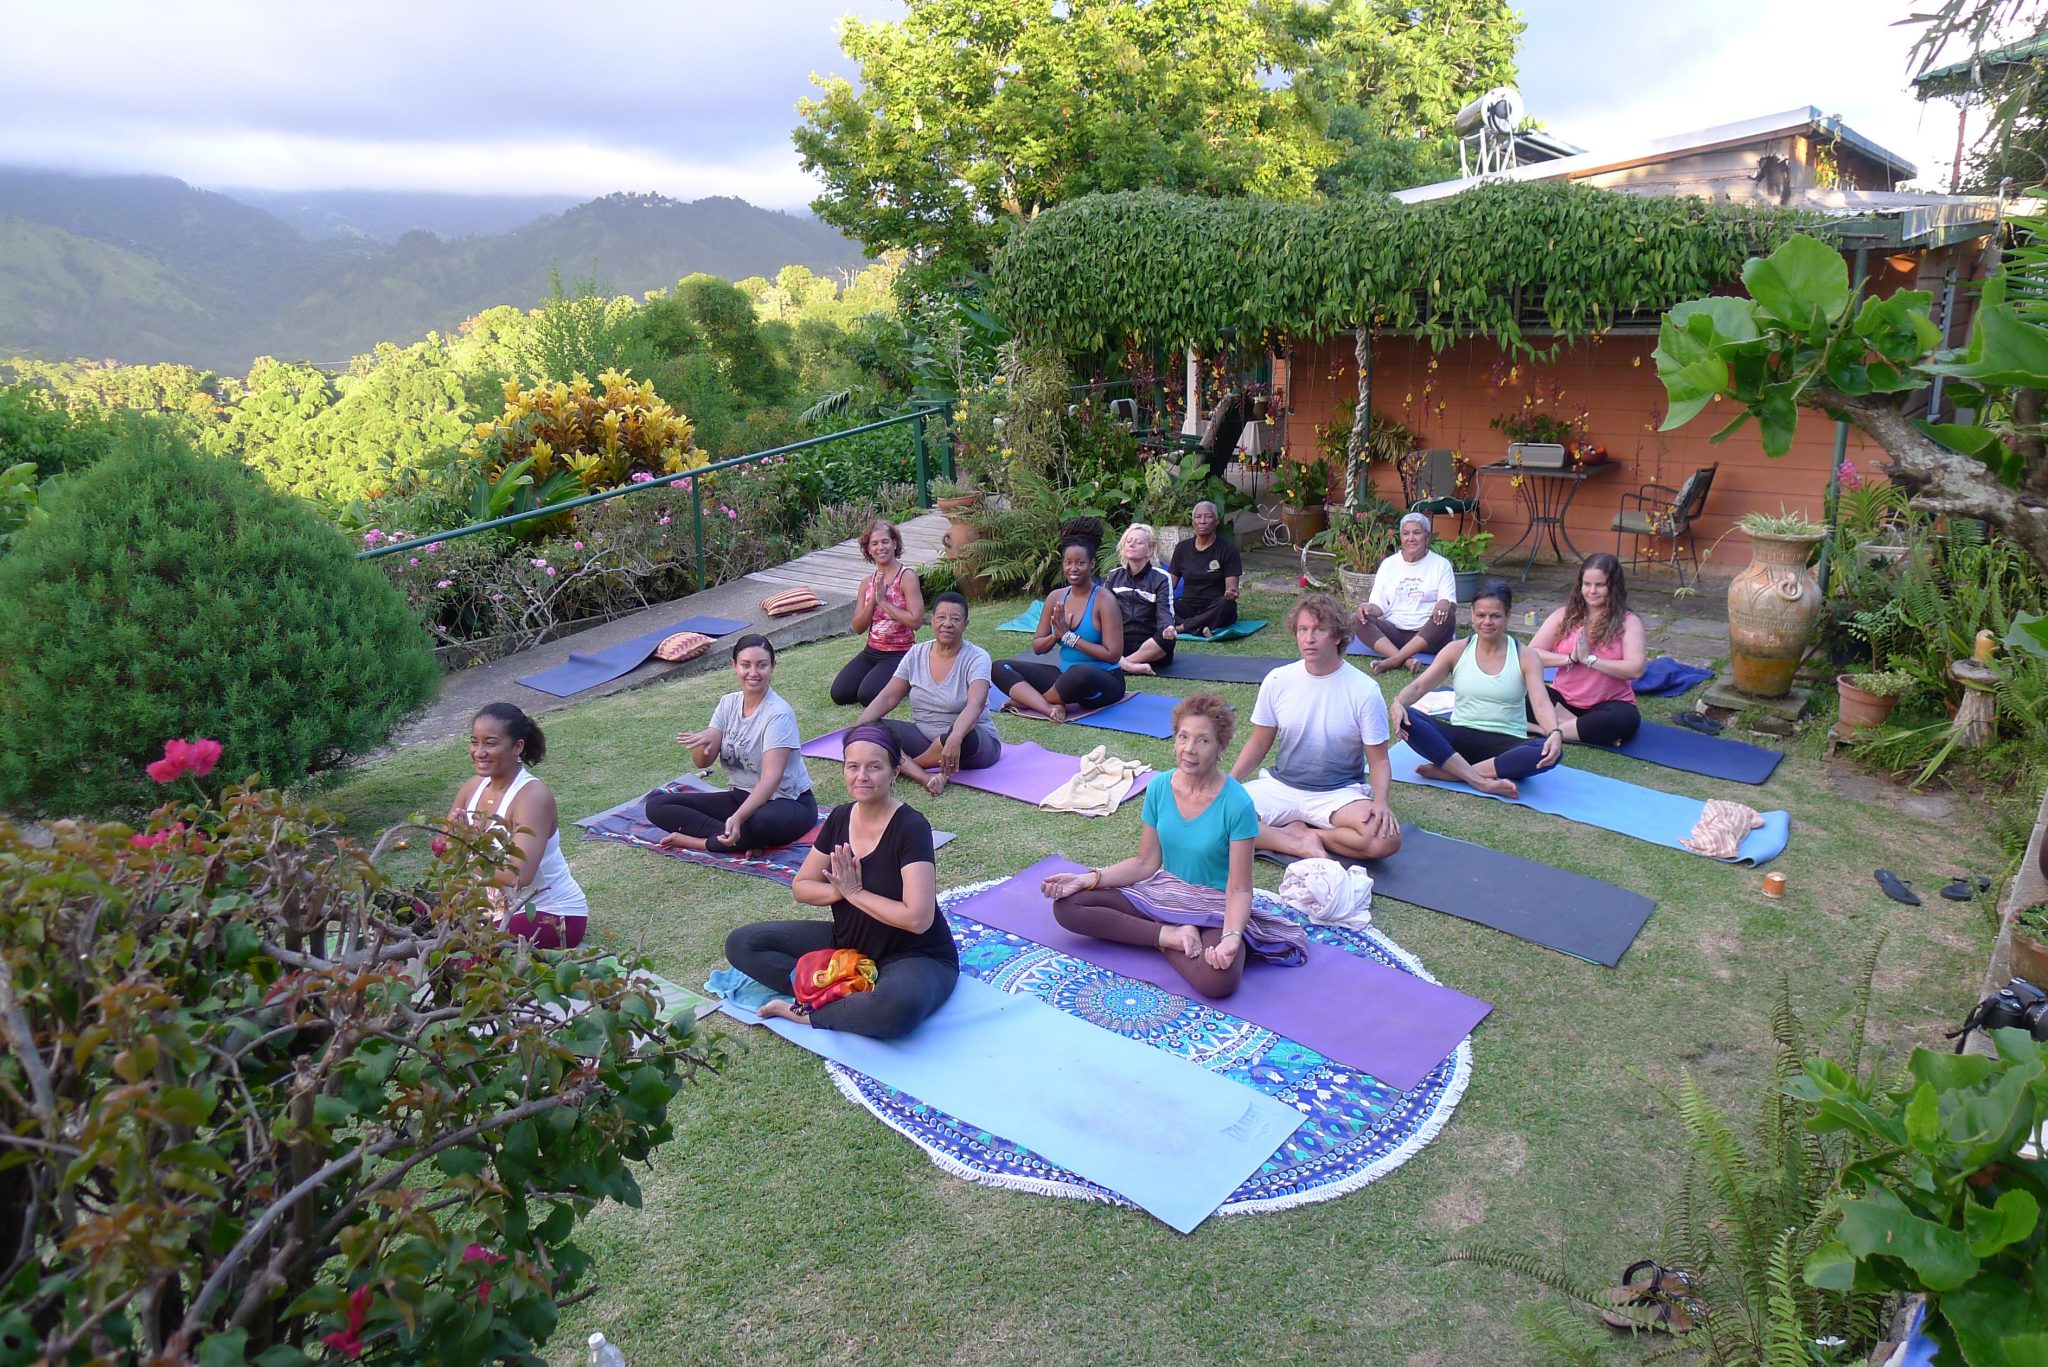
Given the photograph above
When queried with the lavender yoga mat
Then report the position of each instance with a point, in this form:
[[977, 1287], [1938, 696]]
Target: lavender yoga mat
[[1391, 1024], [1027, 771]]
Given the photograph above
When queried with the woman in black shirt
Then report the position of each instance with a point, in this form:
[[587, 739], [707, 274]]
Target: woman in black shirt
[[872, 865], [1145, 595], [1205, 569]]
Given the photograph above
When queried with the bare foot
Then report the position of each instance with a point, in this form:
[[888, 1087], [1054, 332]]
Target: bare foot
[[1057, 712], [1133, 667], [782, 1010], [676, 840], [935, 782], [1499, 787], [1431, 771], [1181, 939], [1380, 666], [1415, 665], [1308, 844]]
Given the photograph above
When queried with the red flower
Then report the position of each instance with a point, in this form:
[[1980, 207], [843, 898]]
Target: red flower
[[344, 1343], [348, 1342], [439, 845], [477, 1253], [181, 757], [143, 842]]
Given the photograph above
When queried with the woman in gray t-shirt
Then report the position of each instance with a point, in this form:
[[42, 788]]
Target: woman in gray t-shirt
[[753, 733], [947, 682]]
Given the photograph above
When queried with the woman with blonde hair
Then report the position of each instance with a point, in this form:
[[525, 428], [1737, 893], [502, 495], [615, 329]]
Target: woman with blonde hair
[[1144, 593]]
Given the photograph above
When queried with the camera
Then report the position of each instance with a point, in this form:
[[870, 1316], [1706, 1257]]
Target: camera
[[2019, 1005]]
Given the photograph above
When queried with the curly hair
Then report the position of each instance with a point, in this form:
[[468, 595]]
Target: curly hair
[[867, 535], [1082, 531], [1577, 613], [1211, 709]]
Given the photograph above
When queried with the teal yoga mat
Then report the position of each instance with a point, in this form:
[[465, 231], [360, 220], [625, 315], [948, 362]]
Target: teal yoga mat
[[1027, 620], [1172, 1137], [1613, 804]]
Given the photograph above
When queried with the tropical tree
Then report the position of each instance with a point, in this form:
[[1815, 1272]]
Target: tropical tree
[[973, 115]]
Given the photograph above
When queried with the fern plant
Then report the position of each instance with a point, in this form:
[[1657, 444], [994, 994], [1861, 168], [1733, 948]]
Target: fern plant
[[1747, 1215]]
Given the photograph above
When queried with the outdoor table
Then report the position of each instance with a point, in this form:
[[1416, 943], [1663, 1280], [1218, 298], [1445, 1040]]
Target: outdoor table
[[1547, 496]]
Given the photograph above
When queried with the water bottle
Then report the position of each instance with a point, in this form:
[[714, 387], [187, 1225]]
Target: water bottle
[[603, 1354]]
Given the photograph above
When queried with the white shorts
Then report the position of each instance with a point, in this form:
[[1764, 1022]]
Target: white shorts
[[1280, 803]]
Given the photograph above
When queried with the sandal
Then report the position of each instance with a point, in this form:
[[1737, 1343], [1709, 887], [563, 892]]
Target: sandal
[[1695, 721], [1662, 1303], [1896, 888], [1962, 890]]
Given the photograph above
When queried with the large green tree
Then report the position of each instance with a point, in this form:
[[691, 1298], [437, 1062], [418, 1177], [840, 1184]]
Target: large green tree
[[973, 115], [1386, 77]]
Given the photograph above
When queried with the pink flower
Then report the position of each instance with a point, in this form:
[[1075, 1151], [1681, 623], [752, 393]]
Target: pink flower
[[641, 477], [445, 584], [433, 548], [731, 516], [372, 537], [538, 563], [412, 560], [181, 757], [663, 520], [1852, 478], [344, 1343], [551, 571], [439, 845], [477, 1253], [577, 544], [143, 842], [348, 1342]]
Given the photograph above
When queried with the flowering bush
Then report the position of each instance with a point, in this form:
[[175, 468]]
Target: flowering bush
[[165, 593], [257, 1105], [567, 439]]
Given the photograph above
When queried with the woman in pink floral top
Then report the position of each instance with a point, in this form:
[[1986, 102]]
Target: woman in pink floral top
[[890, 609]]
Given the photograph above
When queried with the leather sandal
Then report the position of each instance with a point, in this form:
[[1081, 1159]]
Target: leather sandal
[[1662, 1302]]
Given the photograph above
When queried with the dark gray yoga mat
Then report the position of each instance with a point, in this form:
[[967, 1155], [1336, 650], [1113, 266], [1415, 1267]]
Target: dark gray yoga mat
[[1248, 669], [1568, 912]]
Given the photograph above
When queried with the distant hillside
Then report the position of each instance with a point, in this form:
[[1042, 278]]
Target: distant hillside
[[146, 268], [387, 215]]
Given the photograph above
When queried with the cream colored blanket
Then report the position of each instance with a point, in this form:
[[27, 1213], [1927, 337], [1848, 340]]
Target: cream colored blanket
[[1098, 788]]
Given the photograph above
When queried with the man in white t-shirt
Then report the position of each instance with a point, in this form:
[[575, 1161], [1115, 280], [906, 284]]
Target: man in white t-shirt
[[1326, 793]]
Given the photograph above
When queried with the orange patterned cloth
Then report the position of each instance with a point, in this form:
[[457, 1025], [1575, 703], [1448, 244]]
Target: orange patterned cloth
[[790, 601], [684, 645], [1722, 825], [826, 975]]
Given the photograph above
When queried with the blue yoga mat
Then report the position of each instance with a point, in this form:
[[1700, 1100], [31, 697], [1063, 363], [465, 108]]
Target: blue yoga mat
[[1172, 1137], [1674, 747], [1140, 714], [1028, 620], [602, 666], [1613, 804]]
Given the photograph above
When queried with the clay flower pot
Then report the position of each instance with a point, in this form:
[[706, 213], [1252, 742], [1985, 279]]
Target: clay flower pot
[[2029, 956], [1862, 710], [1303, 523]]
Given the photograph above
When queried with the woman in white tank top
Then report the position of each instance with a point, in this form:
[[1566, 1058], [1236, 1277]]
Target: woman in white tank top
[[550, 907]]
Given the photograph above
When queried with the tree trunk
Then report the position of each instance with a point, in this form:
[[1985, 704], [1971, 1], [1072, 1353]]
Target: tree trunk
[[1941, 481], [1356, 452]]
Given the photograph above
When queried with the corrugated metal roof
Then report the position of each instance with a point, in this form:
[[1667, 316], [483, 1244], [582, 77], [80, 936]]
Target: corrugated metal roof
[[1971, 73]]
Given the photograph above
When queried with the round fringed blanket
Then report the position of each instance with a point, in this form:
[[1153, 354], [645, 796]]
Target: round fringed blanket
[[1356, 1128]]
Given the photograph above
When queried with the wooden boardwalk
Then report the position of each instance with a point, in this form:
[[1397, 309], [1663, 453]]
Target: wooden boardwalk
[[839, 569]]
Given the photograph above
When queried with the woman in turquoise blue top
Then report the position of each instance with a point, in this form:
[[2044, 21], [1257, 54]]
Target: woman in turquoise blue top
[[1086, 622], [1188, 889], [1486, 742]]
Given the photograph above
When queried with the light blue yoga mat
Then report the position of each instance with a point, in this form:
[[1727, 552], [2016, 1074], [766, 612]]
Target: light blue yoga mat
[[1028, 619], [1140, 714], [1172, 1137], [1612, 804], [588, 670]]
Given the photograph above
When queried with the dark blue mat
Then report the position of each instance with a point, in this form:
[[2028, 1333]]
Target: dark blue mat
[[1674, 747], [599, 667], [1665, 675]]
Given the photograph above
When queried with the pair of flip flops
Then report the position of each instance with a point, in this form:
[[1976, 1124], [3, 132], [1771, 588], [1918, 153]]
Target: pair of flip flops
[[1698, 721], [1901, 890], [1662, 1302]]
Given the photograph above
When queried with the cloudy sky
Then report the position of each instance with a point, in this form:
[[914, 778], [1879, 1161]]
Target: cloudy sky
[[698, 98]]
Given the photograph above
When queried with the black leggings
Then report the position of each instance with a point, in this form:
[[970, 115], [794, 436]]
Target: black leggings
[[1514, 757], [907, 988], [975, 752], [1604, 723], [1435, 635], [775, 823], [864, 676], [1106, 914], [1080, 686], [1215, 617]]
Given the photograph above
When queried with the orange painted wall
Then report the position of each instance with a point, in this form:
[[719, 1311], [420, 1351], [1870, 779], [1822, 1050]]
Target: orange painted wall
[[1449, 398]]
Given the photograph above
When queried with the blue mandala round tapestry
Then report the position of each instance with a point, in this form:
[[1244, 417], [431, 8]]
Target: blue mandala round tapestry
[[1356, 1128]]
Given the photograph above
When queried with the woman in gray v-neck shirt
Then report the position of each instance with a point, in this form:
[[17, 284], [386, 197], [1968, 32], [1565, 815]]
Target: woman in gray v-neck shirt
[[949, 728]]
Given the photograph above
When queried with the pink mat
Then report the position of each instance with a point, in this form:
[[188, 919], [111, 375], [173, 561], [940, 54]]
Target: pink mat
[[1027, 771], [1346, 1007]]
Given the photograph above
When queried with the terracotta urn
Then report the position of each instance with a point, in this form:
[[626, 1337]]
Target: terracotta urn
[[1772, 606], [1304, 523]]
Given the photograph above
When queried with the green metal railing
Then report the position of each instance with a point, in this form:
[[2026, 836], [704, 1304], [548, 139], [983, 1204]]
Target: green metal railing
[[918, 416]]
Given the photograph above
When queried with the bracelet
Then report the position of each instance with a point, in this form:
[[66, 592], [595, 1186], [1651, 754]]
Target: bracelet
[[1098, 879], [1228, 933]]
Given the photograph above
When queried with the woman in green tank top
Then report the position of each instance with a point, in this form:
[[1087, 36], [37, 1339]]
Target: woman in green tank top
[[1486, 741]]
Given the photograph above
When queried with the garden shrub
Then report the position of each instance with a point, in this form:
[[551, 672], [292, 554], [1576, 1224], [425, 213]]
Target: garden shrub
[[264, 1107], [167, 593], [37, 426]]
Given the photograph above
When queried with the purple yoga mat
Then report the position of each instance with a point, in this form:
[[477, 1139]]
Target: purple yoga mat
[[1346, 1007], [1027, 771]]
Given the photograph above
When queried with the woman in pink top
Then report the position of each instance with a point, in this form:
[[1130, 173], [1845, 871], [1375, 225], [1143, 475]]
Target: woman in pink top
[[890, 609], [1597, 645]]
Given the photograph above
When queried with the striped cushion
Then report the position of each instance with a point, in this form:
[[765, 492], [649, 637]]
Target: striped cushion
[[790, 601], [684, 645]]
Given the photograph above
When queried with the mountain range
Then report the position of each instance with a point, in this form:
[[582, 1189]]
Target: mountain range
[[147, 268]]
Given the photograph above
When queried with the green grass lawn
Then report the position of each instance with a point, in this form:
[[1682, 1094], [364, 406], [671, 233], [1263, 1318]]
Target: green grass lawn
[[785, 1225]]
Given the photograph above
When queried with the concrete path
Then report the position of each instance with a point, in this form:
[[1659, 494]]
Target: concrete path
[[834, 574]]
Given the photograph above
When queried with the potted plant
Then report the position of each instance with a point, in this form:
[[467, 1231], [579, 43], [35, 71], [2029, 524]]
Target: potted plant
[[1302, 486], [1358, 542], [1868, 698], [1260, 400], [2030, 943], [1467, 555], [959, 500], [1773, 604]]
